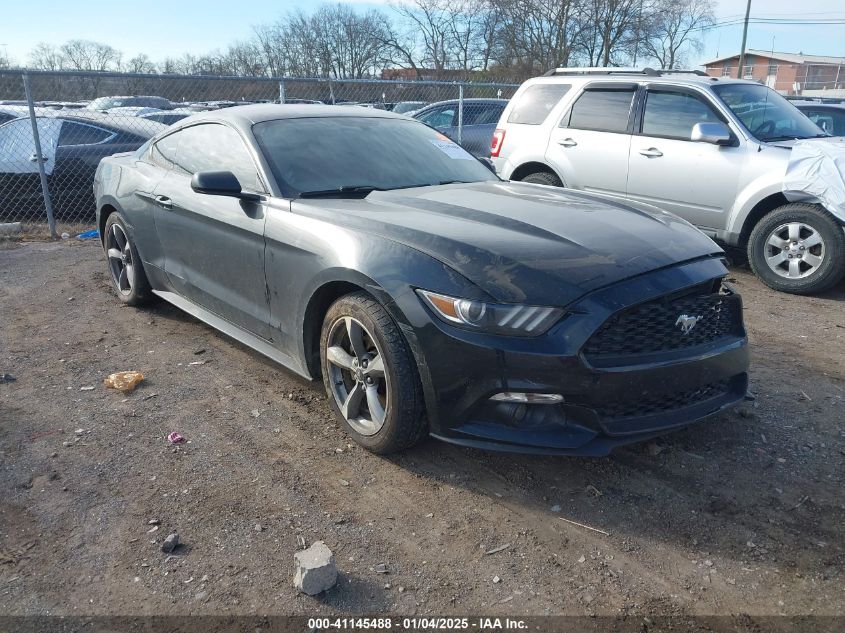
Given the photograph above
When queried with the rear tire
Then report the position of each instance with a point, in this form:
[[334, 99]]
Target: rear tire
[[543, 178], [126, 270], [798, 248], [370, 375]]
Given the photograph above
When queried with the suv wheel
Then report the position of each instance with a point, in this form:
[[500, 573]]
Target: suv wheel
[[798, 248], [543, 178], [125, 267], [370, 375]]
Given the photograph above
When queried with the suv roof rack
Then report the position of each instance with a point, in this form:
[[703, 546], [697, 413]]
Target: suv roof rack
[[650, 72]]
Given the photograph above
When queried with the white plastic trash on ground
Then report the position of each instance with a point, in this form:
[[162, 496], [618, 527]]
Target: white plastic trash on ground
[[816, 173]]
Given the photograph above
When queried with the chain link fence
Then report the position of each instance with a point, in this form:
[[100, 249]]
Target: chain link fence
[[56, 126]]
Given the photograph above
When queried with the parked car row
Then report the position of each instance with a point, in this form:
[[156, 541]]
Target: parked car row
[[642, 135], [371, 250]]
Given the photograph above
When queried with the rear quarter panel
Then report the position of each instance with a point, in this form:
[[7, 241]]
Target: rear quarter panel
[[126, 184], [528, 143]]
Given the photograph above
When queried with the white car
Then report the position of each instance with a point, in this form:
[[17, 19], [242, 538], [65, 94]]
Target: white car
[[714, 151]]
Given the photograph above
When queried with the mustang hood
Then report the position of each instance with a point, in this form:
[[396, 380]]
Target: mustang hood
[[524, 243]]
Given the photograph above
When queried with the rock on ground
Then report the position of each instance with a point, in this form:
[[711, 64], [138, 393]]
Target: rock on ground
[[315, 569]]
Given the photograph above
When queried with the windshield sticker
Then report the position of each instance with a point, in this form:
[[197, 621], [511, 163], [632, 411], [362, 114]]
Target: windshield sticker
[[453, 151]]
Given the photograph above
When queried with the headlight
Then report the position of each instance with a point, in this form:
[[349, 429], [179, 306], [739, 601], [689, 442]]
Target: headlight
[[496, 318]]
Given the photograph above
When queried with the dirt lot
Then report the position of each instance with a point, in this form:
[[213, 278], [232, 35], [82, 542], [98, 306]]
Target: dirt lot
[[742, 514]]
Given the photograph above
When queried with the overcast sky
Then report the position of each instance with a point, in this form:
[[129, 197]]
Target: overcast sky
[[163, 28]]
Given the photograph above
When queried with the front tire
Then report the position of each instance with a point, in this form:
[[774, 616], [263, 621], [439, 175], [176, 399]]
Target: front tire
[[543, 178], [798, 248], [125, 268], [370, 376]]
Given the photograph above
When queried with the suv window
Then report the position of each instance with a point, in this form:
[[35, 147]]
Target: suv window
[[80, 134], [673, 114], [602, 110], [214, 147], [536, 102]]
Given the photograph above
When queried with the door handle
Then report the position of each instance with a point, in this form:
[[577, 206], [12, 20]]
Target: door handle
[[568, 142], [33, 158], [651, 152], [164, 202]]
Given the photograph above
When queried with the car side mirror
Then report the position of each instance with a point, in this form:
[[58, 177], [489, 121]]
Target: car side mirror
[[219, 183], [487, 163], [713, 133]]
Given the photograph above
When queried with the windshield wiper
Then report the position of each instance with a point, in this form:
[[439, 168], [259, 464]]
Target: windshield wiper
[[790, 137], [340, 191]]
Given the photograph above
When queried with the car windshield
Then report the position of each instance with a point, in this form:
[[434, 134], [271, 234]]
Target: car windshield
[[355, 154], [766, 114]]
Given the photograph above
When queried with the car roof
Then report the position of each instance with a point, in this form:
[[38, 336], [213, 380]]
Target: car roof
[[144, 128], [246, 115], [816, 105], [472, 101], [676, 79]]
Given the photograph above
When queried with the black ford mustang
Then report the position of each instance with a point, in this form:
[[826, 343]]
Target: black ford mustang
[[432, 297]]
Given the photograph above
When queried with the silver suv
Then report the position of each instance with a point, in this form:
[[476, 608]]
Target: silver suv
[[711, 150]]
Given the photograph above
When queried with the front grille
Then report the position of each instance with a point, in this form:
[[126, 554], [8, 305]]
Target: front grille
[[660, 403], [653, 328]]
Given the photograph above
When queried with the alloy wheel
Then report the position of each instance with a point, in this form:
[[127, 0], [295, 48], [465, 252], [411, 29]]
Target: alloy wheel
[[120, 259], [794, 250], [358, 380]]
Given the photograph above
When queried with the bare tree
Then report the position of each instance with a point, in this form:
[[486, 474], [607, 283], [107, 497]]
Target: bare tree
[[673, 26], [88, 55], [606, 30], [141, 63], [536, 34], [350, 44], [46, 57], [428, 24]]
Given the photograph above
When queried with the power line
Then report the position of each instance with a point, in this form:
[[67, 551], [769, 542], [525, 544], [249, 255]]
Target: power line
[[771, 22]]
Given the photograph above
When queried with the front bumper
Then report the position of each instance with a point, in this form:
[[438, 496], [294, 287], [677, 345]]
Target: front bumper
[[604, 406]]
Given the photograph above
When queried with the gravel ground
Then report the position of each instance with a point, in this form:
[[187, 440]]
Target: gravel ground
[[742, 514]]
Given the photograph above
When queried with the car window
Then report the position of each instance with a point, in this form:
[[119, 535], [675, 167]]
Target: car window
[[602, 110], [319, 154], [81, 134], [536, 102], [163, 153], [830, 121], [673, 114], [482, 114], [439, 117], [214, 147]]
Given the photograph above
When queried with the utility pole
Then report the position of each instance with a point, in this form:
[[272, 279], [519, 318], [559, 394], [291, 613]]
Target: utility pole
[[744, 38]]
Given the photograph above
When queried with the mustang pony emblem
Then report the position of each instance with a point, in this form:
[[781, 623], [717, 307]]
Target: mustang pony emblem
[[687, 323]]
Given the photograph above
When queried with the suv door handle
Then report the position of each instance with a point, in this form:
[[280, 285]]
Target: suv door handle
[[164, 202], [651, 152], [33, 158], [568, 142]]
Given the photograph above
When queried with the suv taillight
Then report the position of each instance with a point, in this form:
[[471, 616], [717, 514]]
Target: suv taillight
[[496, 143]]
